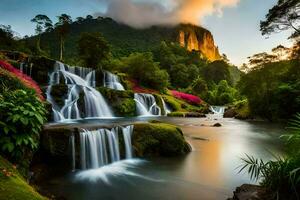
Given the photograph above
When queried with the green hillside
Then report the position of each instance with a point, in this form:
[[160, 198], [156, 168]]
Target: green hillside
[[122, 38]]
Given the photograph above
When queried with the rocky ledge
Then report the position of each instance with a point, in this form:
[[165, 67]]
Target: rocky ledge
[[250, 192]]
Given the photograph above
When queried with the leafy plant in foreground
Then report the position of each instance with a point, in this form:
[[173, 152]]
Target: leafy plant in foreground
[[280, 177], [22, 115]]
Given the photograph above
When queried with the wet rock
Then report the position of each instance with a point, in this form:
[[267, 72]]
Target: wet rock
[[250, 192], [230, 113], [217, 125]]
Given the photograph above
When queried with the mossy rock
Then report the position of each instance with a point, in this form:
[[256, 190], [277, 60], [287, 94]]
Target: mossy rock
[[158, 139], [177, 114], [58, 93], [174, 104], [159, 103], [122, 102], [13, 186]]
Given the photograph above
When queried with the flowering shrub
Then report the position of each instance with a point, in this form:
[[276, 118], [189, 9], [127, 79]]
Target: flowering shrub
[[187, 97], [26, 80], [138, 89]]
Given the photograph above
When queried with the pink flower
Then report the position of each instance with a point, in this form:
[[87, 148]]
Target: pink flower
[[28, 82], [186, 97]]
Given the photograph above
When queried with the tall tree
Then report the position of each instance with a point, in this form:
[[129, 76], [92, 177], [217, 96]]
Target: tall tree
[[63, 29], [283, 16], [92, 49], [43, 23]]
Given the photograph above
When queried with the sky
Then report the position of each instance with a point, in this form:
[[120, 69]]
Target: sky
[[233, 23]]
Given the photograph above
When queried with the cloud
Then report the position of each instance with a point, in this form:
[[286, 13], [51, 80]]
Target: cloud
[[144, 13]]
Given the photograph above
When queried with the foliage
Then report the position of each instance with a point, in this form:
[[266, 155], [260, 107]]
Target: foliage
[[273, 89], [282, 176], [222, 94], [26, 80], [43, 23], [22, 115], [187, 97], [283, 16], [92, 49], [12, 184], [217, 71], [142, 68]]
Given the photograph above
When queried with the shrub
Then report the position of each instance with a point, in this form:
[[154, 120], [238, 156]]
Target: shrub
[[186, 97], [26, 80], [22, 115]]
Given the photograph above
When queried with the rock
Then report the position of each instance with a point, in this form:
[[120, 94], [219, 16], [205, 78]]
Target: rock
[[217, 125], [230, 113], [250, 192], [194, 114], [158, 139]]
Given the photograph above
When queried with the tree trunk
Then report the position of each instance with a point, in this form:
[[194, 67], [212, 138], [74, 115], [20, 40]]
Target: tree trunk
[[61, 49], [38, 43]]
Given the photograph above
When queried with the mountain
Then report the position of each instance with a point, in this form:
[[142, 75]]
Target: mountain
[[125, 39]]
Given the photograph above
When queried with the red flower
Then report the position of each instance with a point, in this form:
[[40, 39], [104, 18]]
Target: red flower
[[187, 97], [28, 82]]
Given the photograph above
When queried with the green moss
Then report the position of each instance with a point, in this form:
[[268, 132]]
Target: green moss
[[13, 186], [158, 139], [121, 102], [177, 114], [174, 103], [242, 109], [159, 103]]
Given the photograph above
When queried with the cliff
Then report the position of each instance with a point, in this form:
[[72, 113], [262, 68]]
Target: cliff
[[198, 39], [125, 39]]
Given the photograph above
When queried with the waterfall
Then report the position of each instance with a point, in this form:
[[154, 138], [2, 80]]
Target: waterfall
[[79, 80], [25, 69], [218, 112], [101, 147], [146, 105], [166, 107], [111, 81]]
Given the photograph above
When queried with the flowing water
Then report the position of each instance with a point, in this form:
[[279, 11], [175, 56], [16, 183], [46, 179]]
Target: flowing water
[[112, 81], [79, 81], [146, 105], [209, 172]]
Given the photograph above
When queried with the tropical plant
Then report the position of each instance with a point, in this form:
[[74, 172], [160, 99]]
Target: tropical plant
[[187, 97], [281, 177], [22, 115]]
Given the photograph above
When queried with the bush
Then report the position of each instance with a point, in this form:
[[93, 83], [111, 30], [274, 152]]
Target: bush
[[22, 115]]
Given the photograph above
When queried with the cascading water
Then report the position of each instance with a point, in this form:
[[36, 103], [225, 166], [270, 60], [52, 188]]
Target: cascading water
[[111, 81], [72, 150], [101, 147], [146, 105], [166, 107], [25, 69], [78, 80], [218, 112]]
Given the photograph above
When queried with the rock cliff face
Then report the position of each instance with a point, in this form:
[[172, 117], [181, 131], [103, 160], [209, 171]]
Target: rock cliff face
[[198, 39]]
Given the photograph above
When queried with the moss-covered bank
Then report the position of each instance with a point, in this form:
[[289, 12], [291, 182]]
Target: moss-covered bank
[[13, 186], [158, 139]]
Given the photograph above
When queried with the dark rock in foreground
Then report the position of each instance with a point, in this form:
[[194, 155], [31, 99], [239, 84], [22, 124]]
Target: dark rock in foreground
[[217, 125], [250, 192]]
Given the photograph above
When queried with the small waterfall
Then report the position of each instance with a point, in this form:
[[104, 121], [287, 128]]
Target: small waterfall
[[166, 107], [218, 112], [101, 147], [25, 69], [146, 105], [111, 81], [78, 80]]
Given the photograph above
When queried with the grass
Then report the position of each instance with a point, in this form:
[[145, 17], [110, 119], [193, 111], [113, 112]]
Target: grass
[[13, 186]]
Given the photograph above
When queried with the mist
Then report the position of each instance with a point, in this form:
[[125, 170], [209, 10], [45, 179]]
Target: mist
[[141, 14]]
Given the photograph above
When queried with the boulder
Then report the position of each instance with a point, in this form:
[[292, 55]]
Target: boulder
[[250, 192], [217, 125]]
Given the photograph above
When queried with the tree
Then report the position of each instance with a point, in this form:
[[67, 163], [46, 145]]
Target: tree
[[92, 49], [217, 71], [62, 27], [281, 52], [79, 20], [260, 59], [283, 16], [43, 23]]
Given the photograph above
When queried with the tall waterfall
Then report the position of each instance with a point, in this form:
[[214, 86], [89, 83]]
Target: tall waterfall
[[101, 147], [166, 107], [111, 81], [146, 104], [78, 80]]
